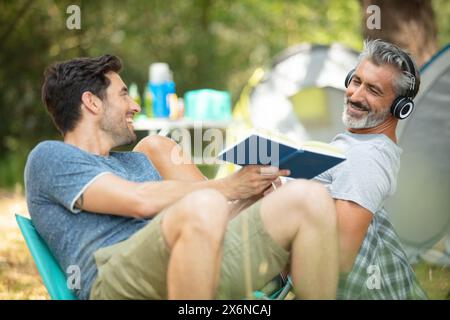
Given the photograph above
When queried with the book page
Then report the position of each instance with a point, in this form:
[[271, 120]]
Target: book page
[[322, 147], [275, 136]]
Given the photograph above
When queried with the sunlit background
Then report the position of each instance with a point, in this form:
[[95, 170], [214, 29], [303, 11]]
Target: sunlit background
[[214, 44]]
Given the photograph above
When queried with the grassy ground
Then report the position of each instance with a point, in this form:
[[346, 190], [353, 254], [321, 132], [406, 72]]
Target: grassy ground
[[19, 278]]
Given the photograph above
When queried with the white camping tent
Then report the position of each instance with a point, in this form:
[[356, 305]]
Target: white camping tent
[[301, 95], [420, 208]]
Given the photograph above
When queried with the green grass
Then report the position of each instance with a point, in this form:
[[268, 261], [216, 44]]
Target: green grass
[[435, 280], [19, 278]]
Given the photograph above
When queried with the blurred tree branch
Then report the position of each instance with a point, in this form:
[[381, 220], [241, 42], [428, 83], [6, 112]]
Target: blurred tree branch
[[207, 43], [12, 26]]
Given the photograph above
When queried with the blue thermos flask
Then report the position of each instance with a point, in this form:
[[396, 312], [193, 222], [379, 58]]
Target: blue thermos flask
[[161, 86]]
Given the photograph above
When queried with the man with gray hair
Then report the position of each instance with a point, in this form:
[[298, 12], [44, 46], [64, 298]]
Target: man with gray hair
[[379, 93]]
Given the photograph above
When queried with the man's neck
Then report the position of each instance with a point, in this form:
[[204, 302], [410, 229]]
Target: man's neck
[[90, 140], [387, 128]]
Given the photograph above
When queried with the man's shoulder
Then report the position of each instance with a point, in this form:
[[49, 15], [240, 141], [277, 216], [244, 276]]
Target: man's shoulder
[[51, 154], [373, 146], [50, 146], [50, 150]]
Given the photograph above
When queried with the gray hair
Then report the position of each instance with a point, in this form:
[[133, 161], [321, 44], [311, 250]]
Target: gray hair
[[380, 52]]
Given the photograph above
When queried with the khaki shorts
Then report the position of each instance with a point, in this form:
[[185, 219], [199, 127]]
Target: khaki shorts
[[137, 267]]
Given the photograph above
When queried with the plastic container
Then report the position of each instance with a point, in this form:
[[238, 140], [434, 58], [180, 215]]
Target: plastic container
[[207, 104], [161, 86]]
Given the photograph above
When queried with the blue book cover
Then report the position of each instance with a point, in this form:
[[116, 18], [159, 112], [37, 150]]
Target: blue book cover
[[305, 162]]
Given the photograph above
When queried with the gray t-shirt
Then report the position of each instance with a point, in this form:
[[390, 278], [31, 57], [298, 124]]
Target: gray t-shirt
[[368, 177], [369, 174], [56, 174]]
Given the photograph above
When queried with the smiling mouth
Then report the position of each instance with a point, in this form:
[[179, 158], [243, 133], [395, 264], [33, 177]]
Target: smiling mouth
[[358, 108], [129, 119]]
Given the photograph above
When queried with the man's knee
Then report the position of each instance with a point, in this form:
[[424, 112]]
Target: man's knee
[[310, 201], [306, 190], [155, 144], [204, 213]]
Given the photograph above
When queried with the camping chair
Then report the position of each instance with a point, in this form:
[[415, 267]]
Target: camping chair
[[55, 280], [49, 269]]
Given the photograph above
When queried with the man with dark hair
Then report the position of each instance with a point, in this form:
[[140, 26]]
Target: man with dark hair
[[136, 232], [78, 76]]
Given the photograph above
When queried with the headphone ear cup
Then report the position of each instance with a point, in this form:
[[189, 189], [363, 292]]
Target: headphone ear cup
[[349, 77], [402, 107]]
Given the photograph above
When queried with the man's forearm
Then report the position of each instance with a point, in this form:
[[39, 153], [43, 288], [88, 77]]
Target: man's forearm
[[158, 195]]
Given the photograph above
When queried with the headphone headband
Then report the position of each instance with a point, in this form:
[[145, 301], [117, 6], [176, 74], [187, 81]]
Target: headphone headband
[[411, 73]]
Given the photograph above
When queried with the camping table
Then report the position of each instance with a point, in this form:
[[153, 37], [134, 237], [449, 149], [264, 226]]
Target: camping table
[[164, 127]]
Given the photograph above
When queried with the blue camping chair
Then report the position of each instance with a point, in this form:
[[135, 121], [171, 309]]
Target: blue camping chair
[[55, 280], [49, 269]]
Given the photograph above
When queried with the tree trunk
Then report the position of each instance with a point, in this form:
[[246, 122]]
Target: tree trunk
[[409, 24]]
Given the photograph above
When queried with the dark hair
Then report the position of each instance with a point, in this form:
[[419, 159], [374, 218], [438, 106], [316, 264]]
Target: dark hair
[[65, 83]]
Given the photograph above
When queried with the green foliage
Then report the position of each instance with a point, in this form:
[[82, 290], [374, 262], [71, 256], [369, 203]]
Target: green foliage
[[442, 11], [11, 170], [208, 44]]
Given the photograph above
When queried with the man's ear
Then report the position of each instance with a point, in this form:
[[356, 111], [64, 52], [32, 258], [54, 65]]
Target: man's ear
[[91, 102]]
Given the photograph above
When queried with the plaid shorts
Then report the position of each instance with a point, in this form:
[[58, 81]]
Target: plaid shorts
[[137, 267], [381, 269]]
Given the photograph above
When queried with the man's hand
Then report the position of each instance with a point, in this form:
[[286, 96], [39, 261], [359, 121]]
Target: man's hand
[[253, 180], [275, 185]]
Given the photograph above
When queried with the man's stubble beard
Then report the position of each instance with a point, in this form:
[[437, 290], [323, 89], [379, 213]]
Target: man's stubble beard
[[370, 120], [119, 131]]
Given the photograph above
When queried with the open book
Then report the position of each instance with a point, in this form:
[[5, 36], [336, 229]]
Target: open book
[[306, 161]]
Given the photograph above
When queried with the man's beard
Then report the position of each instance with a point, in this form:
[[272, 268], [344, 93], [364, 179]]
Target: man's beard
[[370, 120], [119, 131]]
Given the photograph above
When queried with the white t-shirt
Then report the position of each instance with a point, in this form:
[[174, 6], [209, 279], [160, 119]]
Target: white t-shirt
[[369, 174]]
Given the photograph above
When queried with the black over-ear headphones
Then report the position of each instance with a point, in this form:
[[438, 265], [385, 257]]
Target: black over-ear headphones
[[402, 106]]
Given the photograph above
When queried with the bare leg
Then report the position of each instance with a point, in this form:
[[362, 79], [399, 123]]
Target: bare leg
[[161, 150], [301, 217], [194, 228]]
